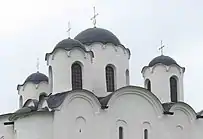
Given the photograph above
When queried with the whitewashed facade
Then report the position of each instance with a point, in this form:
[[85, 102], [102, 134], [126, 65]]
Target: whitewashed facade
[[97, 100]]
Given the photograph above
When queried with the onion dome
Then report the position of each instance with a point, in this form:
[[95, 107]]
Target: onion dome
[[69, 44], [92, 35], [36, 78], [166, 60]]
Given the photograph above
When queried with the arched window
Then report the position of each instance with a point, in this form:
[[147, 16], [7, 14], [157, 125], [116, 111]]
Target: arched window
[[120, 132], [148, 84], [173, 89], [127, 77], [20, 102], [76, 76], [145, 134], [110, 79], [51, 78]]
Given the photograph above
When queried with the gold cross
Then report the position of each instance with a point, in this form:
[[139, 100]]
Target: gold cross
[[69, 29], [161, 48], [94, 17]]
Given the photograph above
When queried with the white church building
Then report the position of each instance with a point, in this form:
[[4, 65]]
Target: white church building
[[87, 95]]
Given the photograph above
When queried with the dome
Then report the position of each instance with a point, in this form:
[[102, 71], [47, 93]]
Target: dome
[[69, 44], [36, 78], [92, 35], [166, 60]]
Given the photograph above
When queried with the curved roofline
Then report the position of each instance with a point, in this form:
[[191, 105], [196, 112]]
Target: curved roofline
[[26, 82], [105, 101], [93, 33], [143, 91], [145, 67], [59, 48], [63, 95], [186, 107]]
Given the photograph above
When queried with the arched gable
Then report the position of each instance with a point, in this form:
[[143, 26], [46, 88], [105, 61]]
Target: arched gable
[[144, 93], [85, 95], [68, 52], [57, 101], [186, 109]]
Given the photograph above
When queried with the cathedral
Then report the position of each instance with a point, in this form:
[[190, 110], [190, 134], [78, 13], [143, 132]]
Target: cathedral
[[88, 95]]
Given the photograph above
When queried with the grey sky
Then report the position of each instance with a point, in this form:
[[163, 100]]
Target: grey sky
[[30, 28]]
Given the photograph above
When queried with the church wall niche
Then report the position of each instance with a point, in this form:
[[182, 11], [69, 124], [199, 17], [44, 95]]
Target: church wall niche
[[80, 124], [61, 66], [51, 79], [20, 101], [148, 84], [127, 75]]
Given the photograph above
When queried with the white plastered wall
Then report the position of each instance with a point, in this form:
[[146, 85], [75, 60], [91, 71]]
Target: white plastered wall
[[36, 126], [159, 76], [6, 131], [105, 54], [61, 62], [134, 109]]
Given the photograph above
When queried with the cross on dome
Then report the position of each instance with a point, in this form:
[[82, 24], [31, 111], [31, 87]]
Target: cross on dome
[[37, 65], [94, 17], [161, 48], [69, 29]]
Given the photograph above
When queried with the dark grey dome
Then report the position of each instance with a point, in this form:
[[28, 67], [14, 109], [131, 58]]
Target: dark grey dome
[[166, 60], [92, 35], [69, 44], [36, 78]]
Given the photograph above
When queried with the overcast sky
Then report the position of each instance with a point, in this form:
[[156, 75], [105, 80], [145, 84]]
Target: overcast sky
[[31, 28]]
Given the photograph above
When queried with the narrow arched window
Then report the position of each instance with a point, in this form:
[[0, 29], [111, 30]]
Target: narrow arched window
[[173, 89], [51, 78], [110, 79], [20, 102], [76, 76], [127, 77], [145, 134], [148, 84], [120, 132]]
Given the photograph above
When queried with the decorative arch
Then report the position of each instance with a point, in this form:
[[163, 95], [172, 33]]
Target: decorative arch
[[174, 88], [186, 109], [110, 72], [121, 127], [76, 76], [51, 78], [127, 76], [148, 84], [150, 97], [146, 129], [80, 124], [82, 94]]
